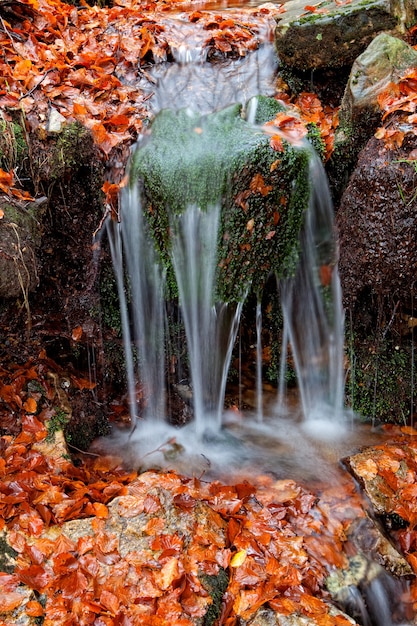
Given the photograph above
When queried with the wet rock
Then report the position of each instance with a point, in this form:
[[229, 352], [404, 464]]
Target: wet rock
[[330, 35], [376, 223], [19, 240], [267, 617], [130, 529], [384, 61], [365, 591], [190, 160], [7, 564], [405, 11], [366, 468], [370, 540]]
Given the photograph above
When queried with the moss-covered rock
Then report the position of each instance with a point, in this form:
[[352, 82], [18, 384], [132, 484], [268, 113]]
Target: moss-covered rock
[[194, 160], [384, 61], [332, 35]]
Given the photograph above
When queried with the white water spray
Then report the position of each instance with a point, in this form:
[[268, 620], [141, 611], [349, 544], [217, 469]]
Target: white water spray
[[313, 316], [140, 283], [210, 327]]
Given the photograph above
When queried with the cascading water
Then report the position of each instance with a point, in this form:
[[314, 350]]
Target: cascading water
[[314, 322], [131, 253], [210, 328], [312, 325]]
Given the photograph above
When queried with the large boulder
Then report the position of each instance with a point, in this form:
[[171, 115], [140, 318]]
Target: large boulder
[[378, 262], [384, 61], [376, 223], [329, 34], [221, 158]]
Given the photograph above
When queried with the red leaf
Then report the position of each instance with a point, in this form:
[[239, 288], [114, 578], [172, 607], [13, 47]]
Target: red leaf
[[9, 601], [34, 576]]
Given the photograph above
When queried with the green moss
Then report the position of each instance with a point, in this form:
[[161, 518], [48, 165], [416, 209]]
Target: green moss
[[109, 311], [27, 218], [379, 385], [194, 160], [266, 109], [13, 146], [216, 587], [315, 138], [72, 150], [57, 422]]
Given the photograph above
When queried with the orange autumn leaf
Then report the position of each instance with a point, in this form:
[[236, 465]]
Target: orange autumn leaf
[[325, 272], [250, 225], [83, 383], [34, 609], [276, 143], [366, 468], [9, 601], [109, 601], [257, 185], [412, 559], [30, 405], [77, 333], [100, 510], [6, 180]]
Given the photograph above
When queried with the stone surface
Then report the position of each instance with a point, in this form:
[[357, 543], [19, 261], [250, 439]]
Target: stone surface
[[377, 223], [332, 35], [384, 61], [266, 617], [405, 11], [220, 158], [368, 538]]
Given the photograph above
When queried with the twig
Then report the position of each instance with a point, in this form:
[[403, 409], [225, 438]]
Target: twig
[[82, 451], [9, 35], [37, 85]]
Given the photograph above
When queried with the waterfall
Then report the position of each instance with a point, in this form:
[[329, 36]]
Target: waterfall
[[311, 299], [210, 327], [313, 316], [313, 322], [140, 284]]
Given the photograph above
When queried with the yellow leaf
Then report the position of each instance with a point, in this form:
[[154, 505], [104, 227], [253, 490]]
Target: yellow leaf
[[238, 559]]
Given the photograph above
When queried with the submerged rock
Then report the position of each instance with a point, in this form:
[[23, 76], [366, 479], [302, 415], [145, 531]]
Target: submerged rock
[[329, 34], [192, 160], [267, 617]]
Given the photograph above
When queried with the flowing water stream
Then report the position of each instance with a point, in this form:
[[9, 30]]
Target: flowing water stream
[[303, 441]]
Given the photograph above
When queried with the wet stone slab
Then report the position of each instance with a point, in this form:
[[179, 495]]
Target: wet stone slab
[[327, 34]]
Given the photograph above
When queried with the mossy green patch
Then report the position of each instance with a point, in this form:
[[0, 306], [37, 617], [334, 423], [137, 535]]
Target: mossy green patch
[[13, 146], [72, 147], [190, 160], [380, 383], [216, 587]]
